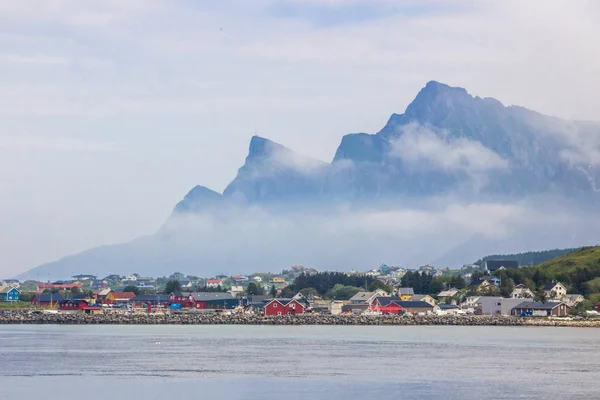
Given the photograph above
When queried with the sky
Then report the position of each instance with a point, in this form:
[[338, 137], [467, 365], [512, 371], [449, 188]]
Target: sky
[[111, 111]]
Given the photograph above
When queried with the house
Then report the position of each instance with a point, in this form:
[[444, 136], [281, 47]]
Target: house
[[9, 293], [213, 283], [497, 265], [366, 297], [118, 298], [87, 296], [154, 300], [257, 279], [46, 299], [447, 294], [404, 292], [573, 299], [72, 306], [493, 305], [521, 292], [484, 282], [555, 290], [240, 279], [539, 309], [257, 302], [336, 306], [388, 306], [101, 295], [277, 307], [186, 283], [214, 301], [449, 309], [426, 268], [407, 306], [423, 297], [236, 290]]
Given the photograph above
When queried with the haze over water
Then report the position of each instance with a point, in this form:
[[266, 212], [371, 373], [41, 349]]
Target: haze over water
[[299, 362]]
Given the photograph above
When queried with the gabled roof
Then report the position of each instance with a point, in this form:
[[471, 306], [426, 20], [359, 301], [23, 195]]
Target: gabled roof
[[8, 289], [405, 291], [551, 285], [538, 305], [448, 293], [419, 297], [47, 297], [284, 302], [385, 301], [362, 296]]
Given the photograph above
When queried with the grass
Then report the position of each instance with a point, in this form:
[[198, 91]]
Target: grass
[[15, 305]]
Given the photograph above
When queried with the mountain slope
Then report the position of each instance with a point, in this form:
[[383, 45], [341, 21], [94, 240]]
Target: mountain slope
[[447, 151]]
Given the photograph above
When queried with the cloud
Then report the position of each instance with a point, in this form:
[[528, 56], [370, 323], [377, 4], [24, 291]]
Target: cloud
[[245, 240], [424, 148]]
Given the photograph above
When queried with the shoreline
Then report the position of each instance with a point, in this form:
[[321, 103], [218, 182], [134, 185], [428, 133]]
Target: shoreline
[[23, 318]]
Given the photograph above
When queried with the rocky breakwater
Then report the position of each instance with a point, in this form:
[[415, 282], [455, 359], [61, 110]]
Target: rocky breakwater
[[24, 317]]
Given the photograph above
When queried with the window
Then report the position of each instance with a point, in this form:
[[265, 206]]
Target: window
[[279, 313], [274, 305]]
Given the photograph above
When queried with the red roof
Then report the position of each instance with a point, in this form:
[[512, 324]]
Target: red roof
[[213, 281]]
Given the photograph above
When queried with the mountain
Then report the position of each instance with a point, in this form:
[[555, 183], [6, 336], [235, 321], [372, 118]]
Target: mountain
[[448, 146]]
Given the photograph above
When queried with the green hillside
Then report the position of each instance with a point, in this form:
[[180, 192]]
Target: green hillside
[[579, 271], [530, 258]]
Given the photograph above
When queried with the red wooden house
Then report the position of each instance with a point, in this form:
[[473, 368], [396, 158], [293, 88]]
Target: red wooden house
[[46, 299], [185, 299], [79, 306], [387, 305], [284, 307]]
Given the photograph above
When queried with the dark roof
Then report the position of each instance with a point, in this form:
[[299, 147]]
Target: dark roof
[[413, 304], [448, 307], [207, 296], [406, 290], [550, 285], [258, 299], [283, 301], [494, 265], [538, 305], [162, 298], [83, 296], [47, 297], [385, 301]]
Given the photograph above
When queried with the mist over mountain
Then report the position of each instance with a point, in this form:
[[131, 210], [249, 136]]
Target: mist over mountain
[[452, 179]]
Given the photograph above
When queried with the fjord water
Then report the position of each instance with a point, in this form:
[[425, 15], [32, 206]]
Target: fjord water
[[299, 362]]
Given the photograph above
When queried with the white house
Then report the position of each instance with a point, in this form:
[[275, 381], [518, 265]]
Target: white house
[[521, 292], [555, 290], [213, 283]]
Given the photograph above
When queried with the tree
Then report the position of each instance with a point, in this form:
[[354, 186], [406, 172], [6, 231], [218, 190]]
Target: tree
[[540, 295], [507, 285], [458, 282], [273, 291], [307, 292], [131, 289], [254, 289], [287, 292], [75, 290], [172, 286]]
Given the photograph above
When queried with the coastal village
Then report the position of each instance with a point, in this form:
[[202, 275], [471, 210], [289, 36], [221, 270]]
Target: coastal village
[[478, 290]]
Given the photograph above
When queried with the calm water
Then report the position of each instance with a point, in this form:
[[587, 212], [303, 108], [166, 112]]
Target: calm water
[[261, 362]]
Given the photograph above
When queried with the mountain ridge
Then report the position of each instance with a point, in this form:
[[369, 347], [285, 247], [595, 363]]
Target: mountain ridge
[[447, 143]]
